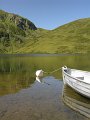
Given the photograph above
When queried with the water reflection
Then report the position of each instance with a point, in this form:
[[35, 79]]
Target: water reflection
[[40, 80], [13, 82], [76, 101], [18, 72]]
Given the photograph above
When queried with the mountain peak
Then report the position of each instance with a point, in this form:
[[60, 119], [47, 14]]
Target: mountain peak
[[19, 21]]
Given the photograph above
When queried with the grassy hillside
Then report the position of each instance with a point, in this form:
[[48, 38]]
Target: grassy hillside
[[13, 31], [19, 35], [73, 37]]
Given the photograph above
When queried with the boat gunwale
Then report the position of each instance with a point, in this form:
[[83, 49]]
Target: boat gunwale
[[75, 77]]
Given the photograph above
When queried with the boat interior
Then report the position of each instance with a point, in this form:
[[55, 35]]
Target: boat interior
[[79, 74]]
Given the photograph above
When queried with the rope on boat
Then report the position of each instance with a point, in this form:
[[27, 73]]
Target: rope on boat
[[53, 71], [39, 73]]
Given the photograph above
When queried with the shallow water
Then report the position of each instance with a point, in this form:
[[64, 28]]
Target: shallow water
[[22, 97]]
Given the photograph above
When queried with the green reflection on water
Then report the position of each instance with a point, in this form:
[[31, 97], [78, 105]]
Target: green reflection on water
[[19, 72]]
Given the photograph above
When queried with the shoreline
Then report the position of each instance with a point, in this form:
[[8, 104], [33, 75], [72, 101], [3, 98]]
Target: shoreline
[[37, 54]]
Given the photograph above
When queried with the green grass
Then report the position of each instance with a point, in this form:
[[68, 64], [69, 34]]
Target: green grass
[[73, 37]]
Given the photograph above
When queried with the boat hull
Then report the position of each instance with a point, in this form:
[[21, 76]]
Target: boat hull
[[76, 84]]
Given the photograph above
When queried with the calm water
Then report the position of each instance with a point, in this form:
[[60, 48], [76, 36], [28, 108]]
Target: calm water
[[22, 97]]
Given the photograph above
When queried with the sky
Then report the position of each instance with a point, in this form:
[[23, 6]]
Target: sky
[[48, 14]]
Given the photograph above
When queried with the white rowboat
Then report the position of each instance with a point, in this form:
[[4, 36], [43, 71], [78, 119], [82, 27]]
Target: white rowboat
[[78, 80]]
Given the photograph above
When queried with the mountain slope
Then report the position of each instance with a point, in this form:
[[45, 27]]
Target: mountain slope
[[73, 37], [19, 35], [13, 31]]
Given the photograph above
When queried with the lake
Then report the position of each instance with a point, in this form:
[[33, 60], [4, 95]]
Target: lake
[[23, 97]]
